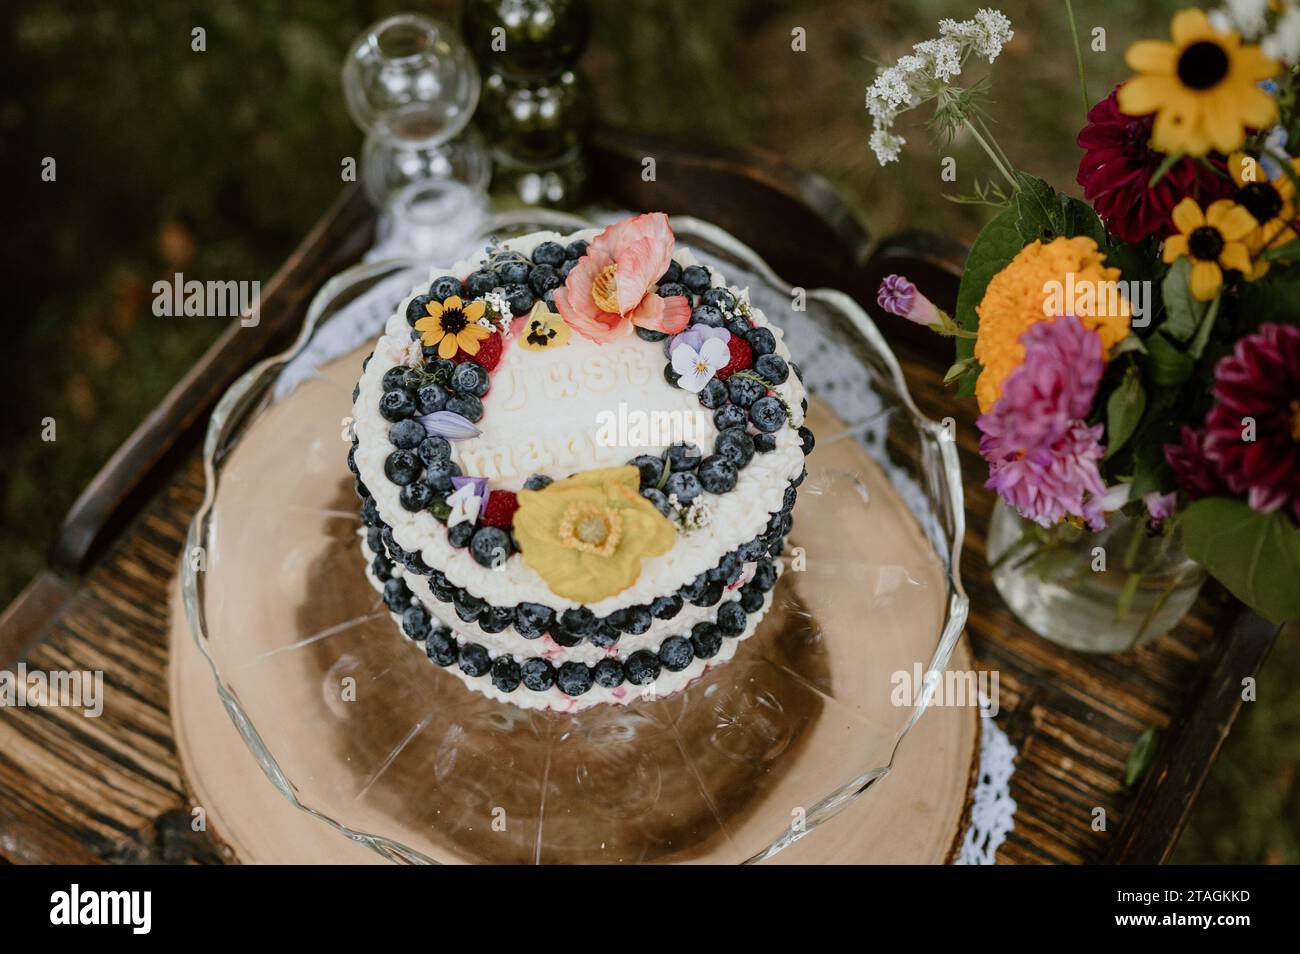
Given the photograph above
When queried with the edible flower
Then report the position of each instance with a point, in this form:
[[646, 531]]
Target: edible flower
[[466, 499], [698, 365], [543, 330], [453, 326]]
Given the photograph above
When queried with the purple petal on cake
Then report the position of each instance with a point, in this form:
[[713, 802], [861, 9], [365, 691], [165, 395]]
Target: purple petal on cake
[[479, 484], [696, 335], [448, 424]]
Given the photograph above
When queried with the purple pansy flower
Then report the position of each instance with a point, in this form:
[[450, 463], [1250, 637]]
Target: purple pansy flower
[[697, 366]]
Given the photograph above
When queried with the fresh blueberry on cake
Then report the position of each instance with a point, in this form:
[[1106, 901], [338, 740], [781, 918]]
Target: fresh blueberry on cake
[[577, 458]]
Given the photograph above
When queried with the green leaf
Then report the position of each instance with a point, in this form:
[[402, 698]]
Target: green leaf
[[1169, 366], [1124, 409], [1255, 555], [1271, 298], [1043, 213], [1141, 755], [997, 244], [1183, 313]]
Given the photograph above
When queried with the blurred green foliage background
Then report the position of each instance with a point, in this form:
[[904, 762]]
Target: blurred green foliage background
[[216, 163]]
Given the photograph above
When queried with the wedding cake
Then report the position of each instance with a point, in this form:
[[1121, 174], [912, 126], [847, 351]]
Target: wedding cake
[[577, 458]]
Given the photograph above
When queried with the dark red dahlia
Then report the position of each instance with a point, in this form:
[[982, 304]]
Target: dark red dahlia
[[1252, 434], [1117, 164], [1195, 475]]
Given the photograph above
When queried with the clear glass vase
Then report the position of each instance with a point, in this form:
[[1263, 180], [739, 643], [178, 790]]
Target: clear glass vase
[[1101, 592]]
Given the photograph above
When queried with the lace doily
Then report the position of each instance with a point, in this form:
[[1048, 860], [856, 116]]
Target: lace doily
[[838, 379]]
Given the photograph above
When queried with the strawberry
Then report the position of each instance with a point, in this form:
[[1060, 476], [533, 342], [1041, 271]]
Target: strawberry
[[499, 509], [742, 357], [489, 353]]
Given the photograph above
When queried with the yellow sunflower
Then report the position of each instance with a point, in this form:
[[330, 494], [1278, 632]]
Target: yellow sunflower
[[1270, 201], [587, 534], [1203, 87], [453, 325], [1212, 240]]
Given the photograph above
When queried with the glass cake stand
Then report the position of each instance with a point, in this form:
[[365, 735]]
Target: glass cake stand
[[355, 726]]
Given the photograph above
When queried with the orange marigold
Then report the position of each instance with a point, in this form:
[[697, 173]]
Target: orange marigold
[[1019, 296]]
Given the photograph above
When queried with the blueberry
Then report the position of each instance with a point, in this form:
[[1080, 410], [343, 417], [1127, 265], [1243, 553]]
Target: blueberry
[[440, 367], [394, 379], [751, 600], [467, 406], [685, 485], [806, 440], [538, 674], [537, 482], [634, 620], [651, 468], [490, 546], [416, 565], [468, 607], [543, 279], [719, 297], [666, 607], [764, 576], [706, 639], [506, 674], [441, 589], [731, 618], [671, 376], [676, 653], [533, 619], [405, 435], [608, 673], [672, 290], [356, 392], [439, 473], [470, 377], [574, 678], [549, 253], [729, 416], [788, 498], [649, 334], [474, 660], [603, 636], [352, 455], [416, 496], [708, 315], [434, 450], [768, 414], [496, 618], [440, 647], [710, 595], [375, 539], [659, 499], [642, 667], [738, 326], [568, 266], [728, 569], [713, 394], [362, 491], [444, 287], [744, 391], [800, 479], [382, 567], [576, 249], [482, 282], [683, 456], [370, 511], [515, 271], [717, 474], [761, 341], [520, 297], [431, 398], [563, 637], [697, 278], [735, 445], [695, 588], [365, 362], [396, 405], [580, 620], [417, 309], [397, 597], [415, 621], [764, 443], [772, 367], [402, 467], [460, 534], [672, 276]]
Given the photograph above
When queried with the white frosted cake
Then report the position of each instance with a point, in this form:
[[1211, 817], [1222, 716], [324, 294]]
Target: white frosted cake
[[577, 457]]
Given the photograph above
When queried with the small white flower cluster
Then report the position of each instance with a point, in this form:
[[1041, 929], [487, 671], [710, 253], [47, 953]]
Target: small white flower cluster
[[497, 316], [927, 70], [410, 354], [697, 515], [1251, 19]]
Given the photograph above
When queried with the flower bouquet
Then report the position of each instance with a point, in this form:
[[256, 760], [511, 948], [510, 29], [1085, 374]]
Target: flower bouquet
[[1135, 356]]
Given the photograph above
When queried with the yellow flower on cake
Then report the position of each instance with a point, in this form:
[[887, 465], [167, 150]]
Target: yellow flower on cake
[[1016, 299], [1213, 240], [1203, 87], [586, 535], [453, 326], [543, 330]]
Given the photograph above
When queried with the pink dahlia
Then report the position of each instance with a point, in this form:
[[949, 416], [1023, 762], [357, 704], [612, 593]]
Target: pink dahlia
[[611, 288], [1195, 475], [1252, 434], [1043, 457], [1117, 166]]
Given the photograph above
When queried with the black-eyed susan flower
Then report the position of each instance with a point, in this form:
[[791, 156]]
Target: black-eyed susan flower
[[453, 326], [1270, 201], [1212, 240], [1203, 87]]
